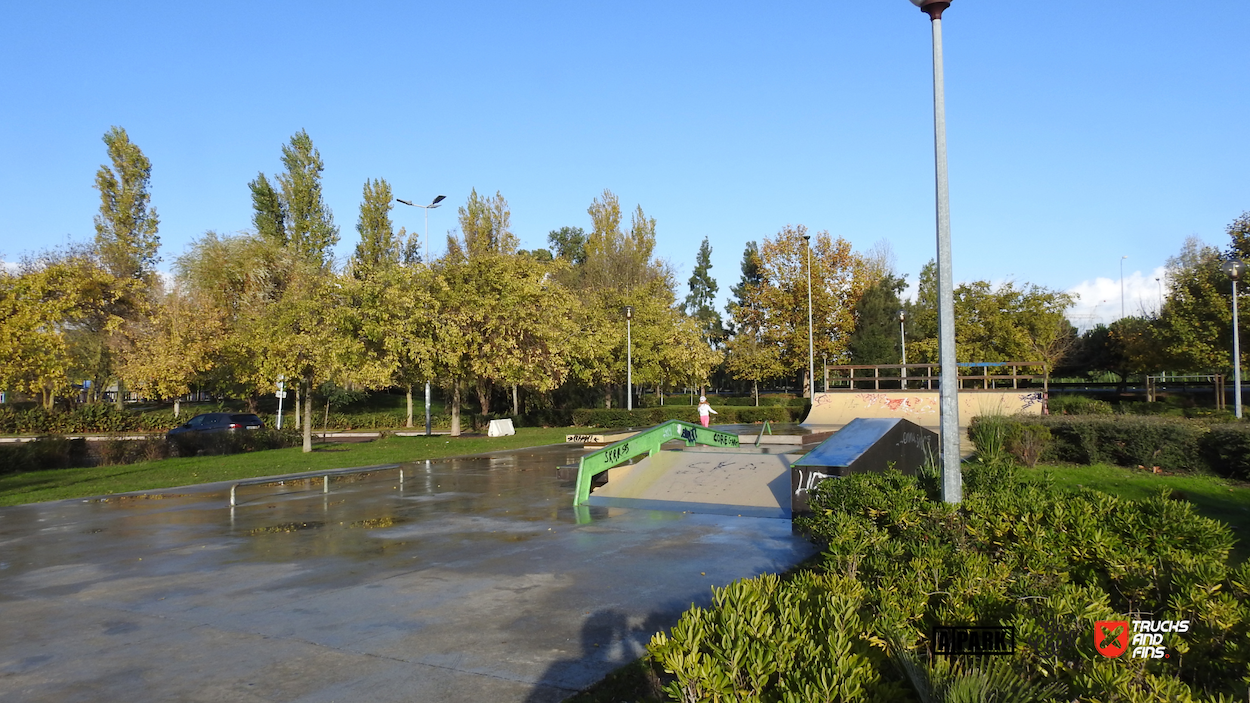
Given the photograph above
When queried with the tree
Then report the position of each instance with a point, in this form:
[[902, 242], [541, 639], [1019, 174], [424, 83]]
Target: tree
[[568, 243], [126, 227], [309, 224], [699, 303], [1195, 327], [777, 306], [173, 347], [485, 228], [876, 339], [40, 308], [268, 211], [378, 247]]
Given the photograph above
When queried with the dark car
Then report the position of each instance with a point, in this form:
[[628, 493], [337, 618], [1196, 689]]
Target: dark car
[[211, 423]]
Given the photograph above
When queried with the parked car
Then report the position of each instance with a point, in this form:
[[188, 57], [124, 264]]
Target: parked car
[[211, 423]]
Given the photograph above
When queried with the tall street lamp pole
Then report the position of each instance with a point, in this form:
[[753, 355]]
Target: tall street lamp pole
[[952, 479], [811, 348], [902, 334], [1122, 258], [629, 358], [1235, 268], [426, 259]]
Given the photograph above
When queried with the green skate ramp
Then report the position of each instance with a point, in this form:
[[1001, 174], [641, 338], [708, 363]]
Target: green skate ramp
[[746, 484]]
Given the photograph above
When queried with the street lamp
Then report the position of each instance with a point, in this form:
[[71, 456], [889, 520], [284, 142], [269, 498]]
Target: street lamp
[[952, 480], [426, 259], [1122, 258], [811, 349], [629, 359], [903, 335], [1235, 268]]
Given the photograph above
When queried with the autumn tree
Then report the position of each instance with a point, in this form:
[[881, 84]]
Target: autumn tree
[[876, 338], [777, 306], [294, 213], [749, 357]]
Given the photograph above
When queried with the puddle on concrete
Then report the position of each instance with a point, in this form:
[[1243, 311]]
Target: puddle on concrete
[[285, 527]]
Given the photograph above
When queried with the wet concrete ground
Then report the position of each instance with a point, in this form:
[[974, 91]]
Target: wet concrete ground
[[475, 581]]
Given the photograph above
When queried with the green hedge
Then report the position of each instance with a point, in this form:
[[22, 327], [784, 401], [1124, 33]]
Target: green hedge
[[1172, 444], [57, 452], [600, 417], [1077, 405], [855, 623]]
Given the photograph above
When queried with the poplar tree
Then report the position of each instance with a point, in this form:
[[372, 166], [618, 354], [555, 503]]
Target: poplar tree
[[126, 228], [378, 247]]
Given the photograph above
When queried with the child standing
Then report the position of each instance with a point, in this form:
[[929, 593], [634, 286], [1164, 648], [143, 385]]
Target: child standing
[[705, 410]]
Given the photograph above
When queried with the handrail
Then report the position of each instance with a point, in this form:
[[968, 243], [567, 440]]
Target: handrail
[[767, 426], [648, 442], [325, 476]]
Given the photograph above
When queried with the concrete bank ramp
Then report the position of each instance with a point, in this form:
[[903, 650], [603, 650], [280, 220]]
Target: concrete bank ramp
[[719, 483]]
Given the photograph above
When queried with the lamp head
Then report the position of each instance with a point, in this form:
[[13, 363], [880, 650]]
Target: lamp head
[[902, 315], [401, 200], [932, 8], [1234, 268], [629, 312], [437, 200]]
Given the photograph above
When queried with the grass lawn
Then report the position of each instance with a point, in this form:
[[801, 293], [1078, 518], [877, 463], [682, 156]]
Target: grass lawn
[[1216, 498], [57, 484]]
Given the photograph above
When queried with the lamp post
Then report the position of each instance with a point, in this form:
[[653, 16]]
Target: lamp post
[[811, 348], [1235, 268], [1122, 258], [952, 480], [903, 335], [426, 259], [629, 358]]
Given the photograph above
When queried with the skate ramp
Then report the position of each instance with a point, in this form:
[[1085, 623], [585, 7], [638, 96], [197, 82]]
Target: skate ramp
[[838, 408], [747, 484]]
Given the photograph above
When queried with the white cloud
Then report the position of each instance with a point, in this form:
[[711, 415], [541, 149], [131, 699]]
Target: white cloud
[[1099, 301]]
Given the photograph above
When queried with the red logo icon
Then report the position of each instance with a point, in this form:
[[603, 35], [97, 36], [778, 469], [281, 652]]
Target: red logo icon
[[1111, 637]]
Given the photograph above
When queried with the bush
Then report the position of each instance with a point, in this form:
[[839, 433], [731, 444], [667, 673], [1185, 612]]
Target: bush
[[57, 452], [1047, 561], [1226, 449], [1077, 405]]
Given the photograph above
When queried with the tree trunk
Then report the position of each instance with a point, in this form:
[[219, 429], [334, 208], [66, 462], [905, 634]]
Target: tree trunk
[[298, 385], [325, 424], [516, 405], [177, 407], [607, 398], [755, 387], [409, 423], [483, 395], [307, 383], [659, 390], [251, 403], [121, 393], [455, 408]]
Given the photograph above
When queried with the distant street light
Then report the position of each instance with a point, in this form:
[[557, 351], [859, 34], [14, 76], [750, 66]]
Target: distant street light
[[811, 349], [1122, 258], [629, 358], [427, 209], [903, 334], [952, 479], [1159, 283], [426, 260], [1235, 268]]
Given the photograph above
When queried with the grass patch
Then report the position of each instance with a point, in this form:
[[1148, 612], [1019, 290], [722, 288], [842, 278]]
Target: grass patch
[[58, 484], [1213, 497]]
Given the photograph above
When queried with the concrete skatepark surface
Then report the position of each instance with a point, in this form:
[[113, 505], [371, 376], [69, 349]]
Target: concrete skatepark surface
[[472, 582]]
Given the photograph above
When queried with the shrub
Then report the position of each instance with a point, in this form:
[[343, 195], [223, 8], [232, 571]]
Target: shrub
[[1226, 449], [1047, 561], [1077, 405]]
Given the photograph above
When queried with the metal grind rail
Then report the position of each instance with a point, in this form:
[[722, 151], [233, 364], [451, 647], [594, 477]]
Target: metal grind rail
[[646, 442], [324, 475]]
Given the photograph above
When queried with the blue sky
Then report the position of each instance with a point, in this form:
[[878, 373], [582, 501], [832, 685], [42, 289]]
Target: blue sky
[[1079, 132]]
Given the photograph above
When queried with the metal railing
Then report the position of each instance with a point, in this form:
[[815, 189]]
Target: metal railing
[[324, 475], [1215, 380], [646, 442]]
